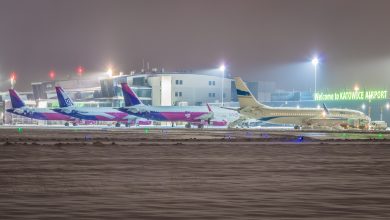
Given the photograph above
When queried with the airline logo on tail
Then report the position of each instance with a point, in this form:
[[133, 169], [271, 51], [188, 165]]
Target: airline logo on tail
[[16, 101], [63, 99], [245, 97], [243, 93], [242, 89], [131, 99]]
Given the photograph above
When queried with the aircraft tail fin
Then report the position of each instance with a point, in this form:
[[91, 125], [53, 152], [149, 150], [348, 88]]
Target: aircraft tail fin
[[16, 101], [209, 108], [325, 108], [129, 95], [63, 99], [245, 97]]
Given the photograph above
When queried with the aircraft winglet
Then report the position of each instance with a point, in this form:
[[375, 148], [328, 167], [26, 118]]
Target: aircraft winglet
[[208, 107], [325, 108]]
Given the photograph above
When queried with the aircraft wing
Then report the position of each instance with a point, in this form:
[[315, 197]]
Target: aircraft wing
[[231, 108], [132, 110], [69, 111], [130, 117], [102, 114], [208, 116], [327, 118]]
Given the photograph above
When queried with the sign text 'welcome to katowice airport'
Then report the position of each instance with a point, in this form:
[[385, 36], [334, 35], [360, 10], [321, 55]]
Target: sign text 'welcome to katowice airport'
[[352, 95]]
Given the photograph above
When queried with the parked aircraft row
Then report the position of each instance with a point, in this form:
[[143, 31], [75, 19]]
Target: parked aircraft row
[[134, 110], [250, 108]]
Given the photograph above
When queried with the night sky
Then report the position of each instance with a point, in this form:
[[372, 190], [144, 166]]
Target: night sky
[[259, 40]]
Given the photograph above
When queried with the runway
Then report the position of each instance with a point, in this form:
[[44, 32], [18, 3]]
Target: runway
[[195, 174], [152, 132]]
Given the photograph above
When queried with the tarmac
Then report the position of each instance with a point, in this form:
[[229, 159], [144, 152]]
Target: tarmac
[[166, 173]]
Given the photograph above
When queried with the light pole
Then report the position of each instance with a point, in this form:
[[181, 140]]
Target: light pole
[[109, 72], [222, 68], [315, 62], [387, 108], [381, 118]]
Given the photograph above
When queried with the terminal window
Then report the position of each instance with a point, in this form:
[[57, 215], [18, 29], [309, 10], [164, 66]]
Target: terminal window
[[211, 83], [178, 94], [139, 81], [212, 95], [179, 82]]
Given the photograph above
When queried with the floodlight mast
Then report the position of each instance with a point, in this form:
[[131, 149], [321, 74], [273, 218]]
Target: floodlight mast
[[109, 72], [387, 106], [222, 68], [315, 62]]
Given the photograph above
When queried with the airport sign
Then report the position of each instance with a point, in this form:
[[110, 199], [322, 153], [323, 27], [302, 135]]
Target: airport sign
[[351, 95]]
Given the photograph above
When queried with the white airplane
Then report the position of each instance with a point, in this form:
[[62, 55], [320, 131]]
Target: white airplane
[[299, 117]]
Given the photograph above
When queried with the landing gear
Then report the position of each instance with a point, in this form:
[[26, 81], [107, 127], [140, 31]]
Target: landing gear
[[117, 124], [296, 127], [66, 124], [74, 124], [127, 125], [188, 125], [200, 126]]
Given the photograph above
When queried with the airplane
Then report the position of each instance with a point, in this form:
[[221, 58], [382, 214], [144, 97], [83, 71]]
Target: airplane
[[20, 108], [198, 115], [67, 107], [300, 118]]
